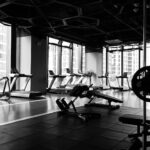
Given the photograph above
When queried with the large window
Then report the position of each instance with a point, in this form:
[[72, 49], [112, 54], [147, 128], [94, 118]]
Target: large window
[[5, 49], [148, 54], [122, 59], [141, 58], [64, 54], [77, 58], [131, 59], [114, 61], [83, 60], [54, 58], [104, 61]]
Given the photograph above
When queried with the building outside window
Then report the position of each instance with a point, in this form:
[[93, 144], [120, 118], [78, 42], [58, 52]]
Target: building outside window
[[118, 64], [54, 58], [130, 63], [148, 54], [5, 49], [104, 61], [63, 55], [114, 61], [83, 60], [66, 57], [77, 58]]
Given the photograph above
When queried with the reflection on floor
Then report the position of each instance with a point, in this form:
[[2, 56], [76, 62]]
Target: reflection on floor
[[48, 131], [20, 109]]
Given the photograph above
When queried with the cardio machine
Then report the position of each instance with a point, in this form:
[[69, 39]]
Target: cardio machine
[[113, 82], [23, 93], [65, 79], [125, 79], [103, 80], [4, 89], [67, 83]]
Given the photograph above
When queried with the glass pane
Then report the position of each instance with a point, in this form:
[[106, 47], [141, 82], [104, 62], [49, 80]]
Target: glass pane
[[54, 59], [76, 58], [52, 40], [83, 59], [5, 49], [114, 63], [64, 43], [132, 46], [104, 61], [141, 58], [130, 64], [66, 59], [131, 61], [114, 67], [114, 48], [148, 54]]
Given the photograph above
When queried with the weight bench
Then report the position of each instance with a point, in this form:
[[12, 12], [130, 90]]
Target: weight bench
[[134, 120], [77, 92], [92, 95]]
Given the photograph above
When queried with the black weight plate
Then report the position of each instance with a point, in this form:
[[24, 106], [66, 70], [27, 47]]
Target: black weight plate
[[141, 83]]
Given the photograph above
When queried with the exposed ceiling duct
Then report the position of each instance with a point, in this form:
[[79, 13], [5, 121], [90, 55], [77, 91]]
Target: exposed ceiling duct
[[92, 22]]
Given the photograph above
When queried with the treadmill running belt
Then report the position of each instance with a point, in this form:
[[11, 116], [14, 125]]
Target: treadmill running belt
[[26, 94]]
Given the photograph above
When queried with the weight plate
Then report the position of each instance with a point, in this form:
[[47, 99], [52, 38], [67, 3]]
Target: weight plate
[[141, 83]]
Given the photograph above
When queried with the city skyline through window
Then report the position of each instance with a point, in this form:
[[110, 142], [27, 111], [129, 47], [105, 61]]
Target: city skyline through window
[[5, 50], [126, 59]]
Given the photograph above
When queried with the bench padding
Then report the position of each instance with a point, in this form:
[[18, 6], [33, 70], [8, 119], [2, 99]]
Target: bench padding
[[132, 119]]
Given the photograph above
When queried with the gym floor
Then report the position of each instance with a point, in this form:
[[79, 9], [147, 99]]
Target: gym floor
[[37, 124]]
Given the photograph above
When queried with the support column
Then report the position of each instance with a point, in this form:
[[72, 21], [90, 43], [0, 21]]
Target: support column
[[39, 63]]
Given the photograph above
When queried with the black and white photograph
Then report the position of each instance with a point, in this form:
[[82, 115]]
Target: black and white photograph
[[74, 74]]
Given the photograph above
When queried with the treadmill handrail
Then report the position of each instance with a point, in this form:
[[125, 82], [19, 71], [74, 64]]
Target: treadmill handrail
[[57, 76], [20, 75], [78, 75], [26, 75], [6, 83], [15, 76]]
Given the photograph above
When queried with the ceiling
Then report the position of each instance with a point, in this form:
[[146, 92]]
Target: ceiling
[[92, 22]]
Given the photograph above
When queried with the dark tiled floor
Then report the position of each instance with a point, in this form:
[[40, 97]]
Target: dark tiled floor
[[51, 131], [67, 133]]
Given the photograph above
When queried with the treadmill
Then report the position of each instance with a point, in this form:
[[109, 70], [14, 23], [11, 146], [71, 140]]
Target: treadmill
[[103, 80], [113, 83], [77, 79], [65, 79], [124, 77], [22, 93], [4, 89], [67, 84]]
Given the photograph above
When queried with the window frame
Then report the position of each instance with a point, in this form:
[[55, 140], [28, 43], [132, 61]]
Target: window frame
[[60, 44]]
